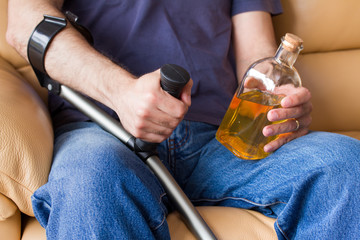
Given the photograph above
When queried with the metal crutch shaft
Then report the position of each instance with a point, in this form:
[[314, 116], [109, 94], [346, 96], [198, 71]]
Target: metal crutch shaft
[[191, 216]]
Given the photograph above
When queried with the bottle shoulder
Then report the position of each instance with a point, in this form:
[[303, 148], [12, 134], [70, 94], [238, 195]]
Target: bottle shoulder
[[273, 70]]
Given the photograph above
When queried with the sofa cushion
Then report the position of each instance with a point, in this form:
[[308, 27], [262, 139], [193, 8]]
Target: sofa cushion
[[226, 223], [26, 139], [10, 219], [324, 25], [7, 208], [32, 230], [334, 82]]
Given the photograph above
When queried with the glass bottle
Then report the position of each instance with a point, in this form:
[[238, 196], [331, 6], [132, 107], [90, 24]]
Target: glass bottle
[[263, 86]]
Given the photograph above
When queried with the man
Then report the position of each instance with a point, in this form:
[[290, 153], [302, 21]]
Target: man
[[98, 189]]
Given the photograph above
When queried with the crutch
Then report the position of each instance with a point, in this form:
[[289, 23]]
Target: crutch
[[173, 79]]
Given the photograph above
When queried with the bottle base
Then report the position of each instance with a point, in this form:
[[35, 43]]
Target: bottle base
[[250, 154]]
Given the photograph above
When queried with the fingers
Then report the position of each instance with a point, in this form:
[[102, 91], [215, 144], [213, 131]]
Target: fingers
[[287, 131], [186, 93], [295, 106], [283, 139], [157, 117], [153, 132], [293, 119], [287, 126], [291, 112], [151, 126], [297, 97], [152, 114]]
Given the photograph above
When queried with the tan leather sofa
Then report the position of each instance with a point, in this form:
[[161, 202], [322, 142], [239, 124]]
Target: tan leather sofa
[[328, 65]]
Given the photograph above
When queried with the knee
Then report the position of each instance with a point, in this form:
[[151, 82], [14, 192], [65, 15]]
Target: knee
[[87, 163], [92, 152], [331, 157], [335, 157], [99, 166], [341, 150], [330, 147]]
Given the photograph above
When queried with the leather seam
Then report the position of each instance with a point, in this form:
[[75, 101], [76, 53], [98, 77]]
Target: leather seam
[[17, 182]]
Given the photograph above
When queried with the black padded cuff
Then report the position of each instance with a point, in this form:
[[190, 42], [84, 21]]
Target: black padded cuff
[[38, 44], [40, 40]]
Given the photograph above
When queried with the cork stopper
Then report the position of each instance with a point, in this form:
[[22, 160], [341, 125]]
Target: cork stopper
[[292, 42]]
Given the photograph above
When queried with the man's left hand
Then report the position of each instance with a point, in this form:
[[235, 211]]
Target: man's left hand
[[296, 110]]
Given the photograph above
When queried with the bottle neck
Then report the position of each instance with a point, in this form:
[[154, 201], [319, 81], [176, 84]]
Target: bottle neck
[[284, 56]]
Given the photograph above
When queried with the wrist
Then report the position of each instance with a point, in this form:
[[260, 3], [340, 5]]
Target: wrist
[[113, 83]]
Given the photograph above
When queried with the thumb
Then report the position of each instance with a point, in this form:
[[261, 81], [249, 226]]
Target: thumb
[[185, 95]]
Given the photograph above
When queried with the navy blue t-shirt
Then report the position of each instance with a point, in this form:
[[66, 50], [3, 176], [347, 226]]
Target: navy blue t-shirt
[[143, 35]]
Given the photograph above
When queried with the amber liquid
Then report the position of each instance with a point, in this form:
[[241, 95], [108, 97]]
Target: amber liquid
[[242, 125]]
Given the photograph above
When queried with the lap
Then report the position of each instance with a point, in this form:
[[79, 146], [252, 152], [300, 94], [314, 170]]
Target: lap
[[88, 158], [220, 178], [208, 172], [82, 147], [287, 182], [84, 151]]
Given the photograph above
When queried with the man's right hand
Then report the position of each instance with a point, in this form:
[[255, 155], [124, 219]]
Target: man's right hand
[[147, 111]]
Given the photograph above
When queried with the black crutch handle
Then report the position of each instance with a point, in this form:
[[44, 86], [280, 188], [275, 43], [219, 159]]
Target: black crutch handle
[[173, 78]]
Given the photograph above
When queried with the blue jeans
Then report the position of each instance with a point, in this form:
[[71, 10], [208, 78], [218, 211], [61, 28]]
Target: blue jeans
[[98, 189]]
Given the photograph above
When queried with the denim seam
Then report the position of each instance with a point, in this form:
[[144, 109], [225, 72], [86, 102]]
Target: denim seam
[[238, 198], [282, 231], [172, 145], [185, 139], [164, 218], [42, 200], [171, 149]]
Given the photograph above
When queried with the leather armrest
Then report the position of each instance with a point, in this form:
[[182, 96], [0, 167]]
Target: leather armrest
[[26, 139]]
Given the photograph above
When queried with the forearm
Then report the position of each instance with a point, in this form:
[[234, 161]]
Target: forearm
[[253, 39], [69, 59], [23, 16], [143, 108]]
